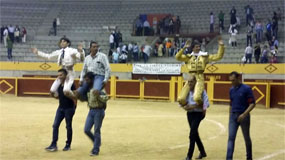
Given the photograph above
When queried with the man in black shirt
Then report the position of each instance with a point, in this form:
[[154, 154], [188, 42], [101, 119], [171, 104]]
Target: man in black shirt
[[66, 109]]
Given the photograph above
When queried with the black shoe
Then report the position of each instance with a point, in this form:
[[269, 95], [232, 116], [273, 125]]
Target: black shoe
[[93, 153], [187, 158], [66, 148], [201, 156], [51, 148]]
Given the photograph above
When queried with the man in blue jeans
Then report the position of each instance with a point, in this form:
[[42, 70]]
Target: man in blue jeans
[[66, 110], [195, 114], [97, 63], [241, 103], [97, 106]]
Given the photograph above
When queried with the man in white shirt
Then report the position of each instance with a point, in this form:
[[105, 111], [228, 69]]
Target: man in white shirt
[[248, 53], [66, 57], [146, 52], [111, 40], [5, 34], [146, 27]]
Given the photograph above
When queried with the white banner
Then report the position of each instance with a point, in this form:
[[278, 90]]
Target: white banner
[[157, 69]]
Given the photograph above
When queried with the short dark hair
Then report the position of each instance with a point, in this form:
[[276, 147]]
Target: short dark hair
[[93, 42], [195, 42], [67, 40], [89, 75], [64, 71], [236, 74]]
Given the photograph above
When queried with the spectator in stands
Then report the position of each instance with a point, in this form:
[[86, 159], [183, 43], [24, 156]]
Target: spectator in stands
[[146, 52], [233, 39], [269, 30], [120, 37], [66, 58], [115, 56], [146, 28], [9, 48], [279, 14], [136, 52], [274, 54], [274, 41], [5, 36], [2, 33], [171, 26], [159, 50], [248, 53], [24, 34], [17, 34], [54, 26], [139, 27], [11, 30], [264, 56], [259, 31], [168, 48], [116, 39], [123, 57], [212, 21], [158, 27], [249, 14], [57, 21], [275, 25], [233, 15], [221, 21], [257, 52], [65, 110], [111, 41], [249, 35], [130, 51], [178, 25]]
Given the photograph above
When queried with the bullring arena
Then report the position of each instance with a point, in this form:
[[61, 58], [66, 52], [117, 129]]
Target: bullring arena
[[143, 120]]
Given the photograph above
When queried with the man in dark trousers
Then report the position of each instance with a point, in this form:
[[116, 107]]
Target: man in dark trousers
[[195, 114], [241, 103], [65, 110], [54, 26]]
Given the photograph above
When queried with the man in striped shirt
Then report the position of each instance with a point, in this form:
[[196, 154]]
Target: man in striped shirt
[[98, 63]]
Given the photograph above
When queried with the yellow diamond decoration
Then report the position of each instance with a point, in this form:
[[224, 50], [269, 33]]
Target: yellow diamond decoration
[[212, 68], [45, 66], [270, 68], [8, 84], [259, 91]]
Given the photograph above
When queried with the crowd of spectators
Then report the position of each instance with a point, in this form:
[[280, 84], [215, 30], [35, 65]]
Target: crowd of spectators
[[167, 25], [10, 35]]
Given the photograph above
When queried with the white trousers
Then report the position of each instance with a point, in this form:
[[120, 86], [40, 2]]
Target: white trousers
[[67, 83]]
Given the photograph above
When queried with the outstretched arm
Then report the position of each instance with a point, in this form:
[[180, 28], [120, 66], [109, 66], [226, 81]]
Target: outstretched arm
[[45, 55], [220, 54]]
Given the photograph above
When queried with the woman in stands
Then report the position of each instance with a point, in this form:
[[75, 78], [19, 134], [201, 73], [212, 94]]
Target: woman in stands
[[66, 58]]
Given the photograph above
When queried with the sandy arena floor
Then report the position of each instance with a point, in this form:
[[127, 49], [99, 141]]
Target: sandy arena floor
[[132, 130]]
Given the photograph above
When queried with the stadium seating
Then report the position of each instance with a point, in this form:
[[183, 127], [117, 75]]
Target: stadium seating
[[85, 21]]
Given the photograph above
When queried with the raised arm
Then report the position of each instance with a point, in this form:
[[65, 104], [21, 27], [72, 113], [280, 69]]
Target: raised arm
[[52, 55], [220, 54], [180, 56], [80, 54]]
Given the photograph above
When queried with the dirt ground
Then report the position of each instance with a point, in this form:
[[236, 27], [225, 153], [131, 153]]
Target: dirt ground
[[132, 130]]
